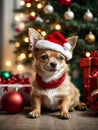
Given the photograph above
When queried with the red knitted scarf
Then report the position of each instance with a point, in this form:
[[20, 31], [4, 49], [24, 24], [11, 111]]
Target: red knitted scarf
[[50, 85]]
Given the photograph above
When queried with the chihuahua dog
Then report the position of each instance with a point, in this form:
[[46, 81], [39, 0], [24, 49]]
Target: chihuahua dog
[[52, 87]]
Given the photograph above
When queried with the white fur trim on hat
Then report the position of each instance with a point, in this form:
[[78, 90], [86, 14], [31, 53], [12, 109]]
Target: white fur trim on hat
[[45, 44], [67, 46]]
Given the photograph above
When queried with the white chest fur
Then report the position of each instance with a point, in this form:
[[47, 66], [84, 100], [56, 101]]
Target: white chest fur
[[53, 101], [51, 93]]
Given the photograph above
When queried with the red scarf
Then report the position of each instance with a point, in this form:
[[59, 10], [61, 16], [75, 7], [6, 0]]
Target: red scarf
[[50, 85]]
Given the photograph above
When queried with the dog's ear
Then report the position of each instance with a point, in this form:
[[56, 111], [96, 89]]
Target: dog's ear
[[72, 41], [34, 36]]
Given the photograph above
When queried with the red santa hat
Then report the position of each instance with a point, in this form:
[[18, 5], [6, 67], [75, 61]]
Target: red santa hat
[[56, 41]]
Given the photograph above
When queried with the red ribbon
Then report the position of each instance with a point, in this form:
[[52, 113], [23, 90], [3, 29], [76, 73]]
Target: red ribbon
[[5, 88], [94, 73], [94, 54]]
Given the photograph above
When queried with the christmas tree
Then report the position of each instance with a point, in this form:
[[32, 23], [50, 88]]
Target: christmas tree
[[70, 17]]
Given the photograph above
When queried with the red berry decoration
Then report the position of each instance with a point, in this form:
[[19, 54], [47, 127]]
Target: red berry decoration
[[12, 102], [93, 100], [65, 2]]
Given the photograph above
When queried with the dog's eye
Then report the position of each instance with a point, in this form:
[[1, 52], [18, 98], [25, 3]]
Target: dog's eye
[[60, 58], [44, 57]]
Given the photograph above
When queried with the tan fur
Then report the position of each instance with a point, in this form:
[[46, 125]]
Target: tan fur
[[65, 97]]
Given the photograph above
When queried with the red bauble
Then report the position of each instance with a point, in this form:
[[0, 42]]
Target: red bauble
[[27, 1], [93, 100], [31, 18], [18, 30], [65, 2], [12, 102]]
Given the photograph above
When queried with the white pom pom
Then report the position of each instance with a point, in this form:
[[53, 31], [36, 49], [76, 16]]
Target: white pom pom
[[67, 46]]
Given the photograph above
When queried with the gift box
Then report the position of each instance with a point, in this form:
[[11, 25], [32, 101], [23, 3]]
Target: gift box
[[22, 83], [93, 81], [90, 68], [89, 65]]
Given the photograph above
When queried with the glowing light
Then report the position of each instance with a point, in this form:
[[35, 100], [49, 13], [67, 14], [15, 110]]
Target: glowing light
[[33, 13], [30, 55], [57, 26], [21, 15], [17, 18], [26, 39], [88, 54], [8, 63], [28, 5], [39, 6], [20, 67], [43, 33], [22, 3], [22, 25], [21, 57], [17, 44]]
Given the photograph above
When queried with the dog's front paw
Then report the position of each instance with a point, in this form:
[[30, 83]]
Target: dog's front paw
[[82, 107], [65, 115], [34, 114]]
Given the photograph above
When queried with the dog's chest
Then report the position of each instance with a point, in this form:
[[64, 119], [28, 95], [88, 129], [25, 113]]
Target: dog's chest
[[52, 100], [51, 93]]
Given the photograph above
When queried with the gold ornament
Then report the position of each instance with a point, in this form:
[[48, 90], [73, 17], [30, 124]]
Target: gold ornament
[[90, 38]]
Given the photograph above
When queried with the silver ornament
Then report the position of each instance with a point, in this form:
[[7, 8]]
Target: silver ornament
[[48, 9], [88, 16], [69, 15], [38, 18]]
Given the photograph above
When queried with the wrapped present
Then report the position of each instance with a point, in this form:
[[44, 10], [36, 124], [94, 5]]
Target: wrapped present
[[89, 64], [17, 81], [90, 68], [93, 80], [93, 100]]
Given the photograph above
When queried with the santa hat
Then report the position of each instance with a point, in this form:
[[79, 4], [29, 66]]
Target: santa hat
[[56, 41]]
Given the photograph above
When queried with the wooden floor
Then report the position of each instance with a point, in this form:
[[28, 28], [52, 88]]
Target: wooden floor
[[87, 120]]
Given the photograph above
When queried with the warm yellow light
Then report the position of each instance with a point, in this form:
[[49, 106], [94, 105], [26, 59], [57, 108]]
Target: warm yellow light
[[17, 44], [19, 58], [57, 26], [21, 15], [22, 3], [26, 39], [39, 30], [88, 54], [20, 67], [22, 56], [8, 63], [39, 6], [30, 55], [28, 5], [22, 25], [33, 13], [43, 33], [17, 18]]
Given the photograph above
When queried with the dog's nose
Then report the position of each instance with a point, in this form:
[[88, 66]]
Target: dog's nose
[[53, 64]]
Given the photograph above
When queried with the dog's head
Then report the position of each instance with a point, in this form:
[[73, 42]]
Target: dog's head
[[49, 60]]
